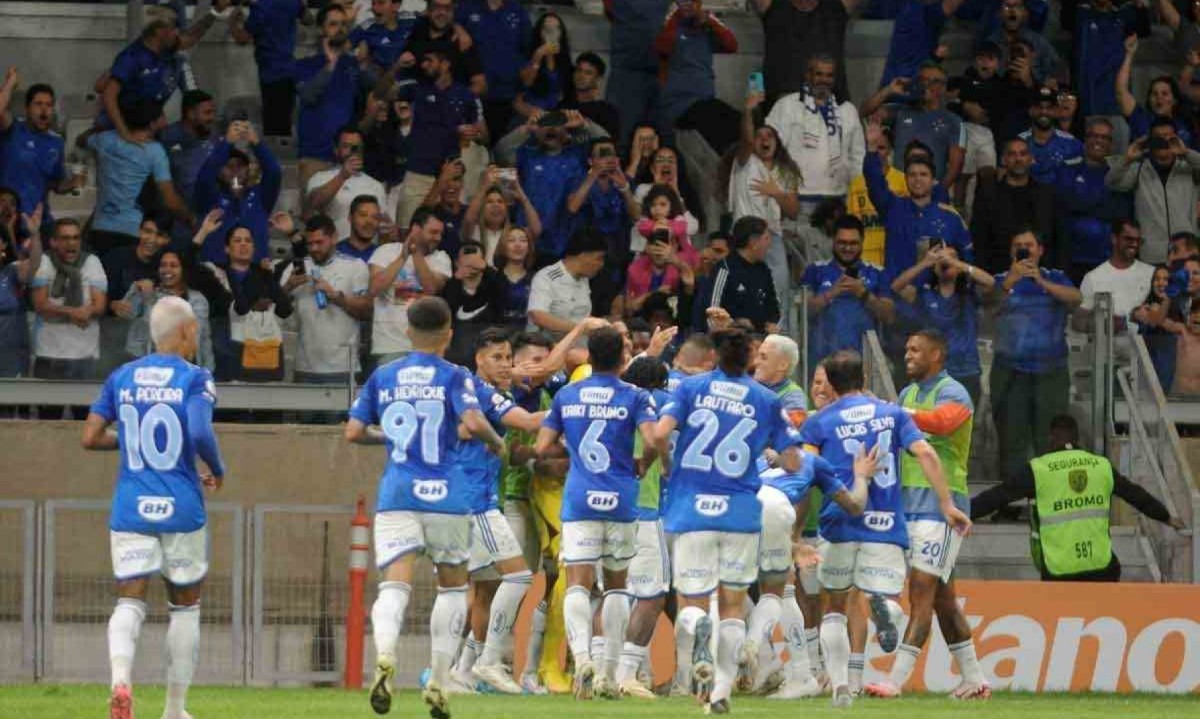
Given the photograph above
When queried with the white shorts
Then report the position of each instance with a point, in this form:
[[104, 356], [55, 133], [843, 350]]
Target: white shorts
[[870, 566], [933, 547], [492, 540], [519, 514], [810, 582], [181, 557], [778, 519], [650, 571], [613, 544], [705, 559], [444, 538]]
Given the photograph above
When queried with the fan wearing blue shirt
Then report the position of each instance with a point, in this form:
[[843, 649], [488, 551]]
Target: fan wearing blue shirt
[[271, 26], [162, 407], [414, 407], [908, 219], [915, 36], [31, 152], [504, 36], [785, 498], [725, 420], [551, 157], [598, 418], [848, 295], [329, 84], [1101, 27], [223, 184], [1051, 147], [1029, 381], [866, 552], [383, 38]]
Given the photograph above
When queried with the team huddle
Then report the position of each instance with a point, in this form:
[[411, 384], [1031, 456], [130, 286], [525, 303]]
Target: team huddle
[[688, 490]]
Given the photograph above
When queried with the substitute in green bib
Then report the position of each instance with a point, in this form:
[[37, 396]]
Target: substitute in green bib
[[1072, 494], [942, 409]]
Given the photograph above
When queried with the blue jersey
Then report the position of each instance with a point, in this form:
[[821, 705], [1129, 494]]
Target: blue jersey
[[815, 471], [1031, 329], [1056, 152], [844, 320], [272, 24], [724, 424], [674, 378], [478, 468], [384, 46], [837, 432], [418, 401], [162, 405], [31, 162], [598, 418], [145, 74]]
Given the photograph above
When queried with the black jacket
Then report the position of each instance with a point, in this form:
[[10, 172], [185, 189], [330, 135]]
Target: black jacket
[[743, 289]]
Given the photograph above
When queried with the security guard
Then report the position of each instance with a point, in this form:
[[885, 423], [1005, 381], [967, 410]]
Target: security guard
[[1072, 492]]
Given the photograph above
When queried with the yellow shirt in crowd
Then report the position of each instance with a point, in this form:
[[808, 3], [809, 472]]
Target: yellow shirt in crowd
[[859, 205]]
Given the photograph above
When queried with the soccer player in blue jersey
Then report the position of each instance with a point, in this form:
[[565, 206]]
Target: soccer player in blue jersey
[[867, 551], [162, 406], [785, 498], [725, 421], [695, 356], [598, 418], [499, 573], [414, 406]]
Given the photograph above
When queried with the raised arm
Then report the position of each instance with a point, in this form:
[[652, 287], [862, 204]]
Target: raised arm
[[11, 78], [1126, 102]]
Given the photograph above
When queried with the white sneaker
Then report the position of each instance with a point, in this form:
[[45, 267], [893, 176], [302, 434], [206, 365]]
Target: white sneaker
[[842, 698], [530, 684], [636, 689], [797, 689], [747, 666], [497, 677], [436, 700], [971, 690], [585, 673], [381, 687], [458, 685]]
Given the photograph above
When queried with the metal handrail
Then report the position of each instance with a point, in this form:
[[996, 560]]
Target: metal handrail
[[875, 360]]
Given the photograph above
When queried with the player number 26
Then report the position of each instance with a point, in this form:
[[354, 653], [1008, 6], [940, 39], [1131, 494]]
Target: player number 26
[[731, 455], [401, 421]]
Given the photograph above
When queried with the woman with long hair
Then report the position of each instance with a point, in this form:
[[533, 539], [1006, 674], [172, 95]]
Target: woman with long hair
[[173, 280], [949, 301], [1157, 329], [547, 76], [17, 270], [665, 169], [255, 289], [515, 259], [1163, 99], [489, 216]]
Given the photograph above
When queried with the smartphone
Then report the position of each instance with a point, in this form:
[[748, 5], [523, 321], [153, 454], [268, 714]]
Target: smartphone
[[756, 83], [1022, 254], [298, 266], [852, 272]]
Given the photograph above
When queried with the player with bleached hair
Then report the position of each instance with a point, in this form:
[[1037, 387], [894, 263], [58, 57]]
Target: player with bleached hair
[[162, 407]]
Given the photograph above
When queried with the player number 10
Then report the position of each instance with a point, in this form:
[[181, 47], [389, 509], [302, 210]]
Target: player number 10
[[141, 445]]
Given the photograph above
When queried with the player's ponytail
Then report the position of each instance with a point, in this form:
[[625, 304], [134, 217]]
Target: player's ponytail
[[733, 350]]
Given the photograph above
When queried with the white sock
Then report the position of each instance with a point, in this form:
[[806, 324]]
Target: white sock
[[469, 655], [812, 641], [505, 607], [730, 635], [968, 663], [632, 657], [855, 668], [387, 617], [902, 667], [614, 618], [685, 638], [577, 615], [123, 629], [183, 650], [791, 618], [445, 628], [835, 642], [537, 635], [763, 618]]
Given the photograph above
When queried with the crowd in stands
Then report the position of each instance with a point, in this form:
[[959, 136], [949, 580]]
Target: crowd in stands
[[462, 149]]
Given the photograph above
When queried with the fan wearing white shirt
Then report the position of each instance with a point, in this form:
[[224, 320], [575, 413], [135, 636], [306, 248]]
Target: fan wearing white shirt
[[400, 273], [763, 181], [1123, 276], [332, 191]]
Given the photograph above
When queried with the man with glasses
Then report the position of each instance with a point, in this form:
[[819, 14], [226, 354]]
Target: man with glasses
[[1086, 206], [1123, 276], [927, 120]]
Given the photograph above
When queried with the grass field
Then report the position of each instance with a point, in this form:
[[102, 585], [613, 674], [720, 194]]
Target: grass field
[[89, 701]]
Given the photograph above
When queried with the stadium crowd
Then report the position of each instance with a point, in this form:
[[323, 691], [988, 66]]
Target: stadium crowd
[[464, 152]]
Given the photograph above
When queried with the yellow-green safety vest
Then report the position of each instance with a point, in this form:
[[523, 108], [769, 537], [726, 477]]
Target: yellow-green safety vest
[[953, 449], [1074, 498]]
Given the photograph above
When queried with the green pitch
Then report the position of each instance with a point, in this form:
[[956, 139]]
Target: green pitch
[[88, 701]]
